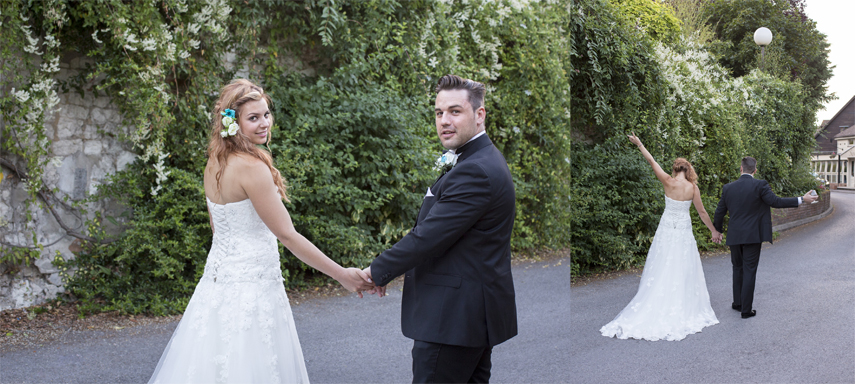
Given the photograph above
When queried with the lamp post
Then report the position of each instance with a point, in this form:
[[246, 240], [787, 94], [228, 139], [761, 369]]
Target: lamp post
[[762, 37]]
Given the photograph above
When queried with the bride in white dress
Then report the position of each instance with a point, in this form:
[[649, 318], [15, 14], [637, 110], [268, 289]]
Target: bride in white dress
[[238, 326], [672, 299]]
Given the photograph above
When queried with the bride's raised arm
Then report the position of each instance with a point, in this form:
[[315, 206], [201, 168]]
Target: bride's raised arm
[[660, 174]]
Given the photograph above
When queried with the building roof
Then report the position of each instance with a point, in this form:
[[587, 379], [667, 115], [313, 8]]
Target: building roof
[[825, 122], [820, 127], [848, 132]]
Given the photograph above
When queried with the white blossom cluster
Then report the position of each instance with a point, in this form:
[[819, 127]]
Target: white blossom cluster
[[213, 17], [467, 22], [699, 87], [41, 97], [32, 43], [162, 173], [170, 43], [38, 98]]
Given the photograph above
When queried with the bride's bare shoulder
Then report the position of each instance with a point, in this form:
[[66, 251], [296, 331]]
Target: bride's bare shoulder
[[235, 165], [247, 166], [245, 161]]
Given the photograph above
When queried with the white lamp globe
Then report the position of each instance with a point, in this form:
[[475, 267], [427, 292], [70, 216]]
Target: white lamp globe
[[762, 36]]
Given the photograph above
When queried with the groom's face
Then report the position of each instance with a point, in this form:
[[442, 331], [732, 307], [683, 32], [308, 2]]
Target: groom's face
[[456, 122]]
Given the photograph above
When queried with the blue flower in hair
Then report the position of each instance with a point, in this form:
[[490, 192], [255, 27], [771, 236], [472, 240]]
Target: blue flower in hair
[[229, 113]]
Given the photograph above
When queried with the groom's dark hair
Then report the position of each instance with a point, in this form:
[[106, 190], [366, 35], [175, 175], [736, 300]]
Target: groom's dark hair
[[749, 164], [453, 82]]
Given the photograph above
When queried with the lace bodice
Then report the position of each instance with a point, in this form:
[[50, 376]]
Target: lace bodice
[[238, 326], [243, 248], [676, 214]]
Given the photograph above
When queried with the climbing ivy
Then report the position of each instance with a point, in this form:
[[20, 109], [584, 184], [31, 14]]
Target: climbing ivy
[[351, 84]]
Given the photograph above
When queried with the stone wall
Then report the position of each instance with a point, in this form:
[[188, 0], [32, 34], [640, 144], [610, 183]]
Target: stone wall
[[83, 156]]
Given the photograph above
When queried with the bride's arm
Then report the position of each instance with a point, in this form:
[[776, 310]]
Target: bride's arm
[[699, 206], [257, 181], [663, 177]]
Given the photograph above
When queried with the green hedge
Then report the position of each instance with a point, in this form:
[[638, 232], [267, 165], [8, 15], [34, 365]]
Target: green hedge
[[681, 102], [352, 97], [352, 83]]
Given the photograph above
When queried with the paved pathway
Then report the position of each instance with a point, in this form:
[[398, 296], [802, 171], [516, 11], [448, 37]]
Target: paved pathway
[[804, 331], [344, 340]]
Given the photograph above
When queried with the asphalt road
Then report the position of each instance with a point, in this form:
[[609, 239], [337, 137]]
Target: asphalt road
[[804, 331], [344, 340]]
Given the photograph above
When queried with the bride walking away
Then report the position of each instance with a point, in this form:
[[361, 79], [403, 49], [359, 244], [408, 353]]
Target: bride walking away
[[238, 326], [672, 299]]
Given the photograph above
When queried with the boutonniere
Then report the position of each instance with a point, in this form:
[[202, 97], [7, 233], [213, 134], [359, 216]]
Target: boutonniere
[[445, 162]]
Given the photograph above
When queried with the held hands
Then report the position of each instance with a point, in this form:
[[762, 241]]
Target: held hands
[[355, 280], [380, 291], [809, 197], [716, 236]]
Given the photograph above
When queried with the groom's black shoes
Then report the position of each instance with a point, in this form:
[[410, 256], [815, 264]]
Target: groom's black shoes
[[749, 314], [736, 307]]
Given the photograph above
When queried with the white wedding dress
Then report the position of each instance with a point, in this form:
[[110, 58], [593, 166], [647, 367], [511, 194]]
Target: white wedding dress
[[238, 326], [672, 299]]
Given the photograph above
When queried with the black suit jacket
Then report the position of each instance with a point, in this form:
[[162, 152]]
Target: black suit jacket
[[749, 200], [458, 287]]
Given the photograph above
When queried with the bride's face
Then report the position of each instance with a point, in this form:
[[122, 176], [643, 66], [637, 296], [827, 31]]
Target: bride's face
[[255, 121]]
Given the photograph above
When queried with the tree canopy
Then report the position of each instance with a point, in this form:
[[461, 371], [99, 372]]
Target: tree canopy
[[798, 50]]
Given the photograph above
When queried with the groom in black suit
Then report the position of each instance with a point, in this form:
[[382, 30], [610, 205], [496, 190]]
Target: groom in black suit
[[458, 299], [748, 200]]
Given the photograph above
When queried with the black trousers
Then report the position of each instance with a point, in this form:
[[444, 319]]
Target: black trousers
[[443, 363], [744, 258]]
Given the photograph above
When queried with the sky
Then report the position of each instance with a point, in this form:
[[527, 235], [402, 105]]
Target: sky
[[834, 19]]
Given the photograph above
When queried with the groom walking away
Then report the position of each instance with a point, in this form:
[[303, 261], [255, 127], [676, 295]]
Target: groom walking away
[[458, 299], [748, 201]]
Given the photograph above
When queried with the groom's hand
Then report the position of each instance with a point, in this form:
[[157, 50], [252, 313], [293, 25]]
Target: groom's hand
[[355, 280], [380, 291], [716, 237], [809, 198]]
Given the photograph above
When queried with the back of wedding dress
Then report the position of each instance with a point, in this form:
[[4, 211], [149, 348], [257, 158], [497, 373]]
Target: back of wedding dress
[[672, 299], [238, 326]]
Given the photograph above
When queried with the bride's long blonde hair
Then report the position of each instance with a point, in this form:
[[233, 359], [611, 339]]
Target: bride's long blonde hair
[[233, 96]]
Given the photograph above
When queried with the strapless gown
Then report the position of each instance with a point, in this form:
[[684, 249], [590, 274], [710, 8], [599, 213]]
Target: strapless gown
[[672, 299], [238, 326]]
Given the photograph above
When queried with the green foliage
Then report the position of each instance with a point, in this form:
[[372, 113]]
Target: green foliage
[[693, 22], [160, 256], [517, 52], [616, 205], [779, 133], [27, 100], [800, 49], [352, 93], [615, 80], [655, 18], [689, 106], [356, 171]]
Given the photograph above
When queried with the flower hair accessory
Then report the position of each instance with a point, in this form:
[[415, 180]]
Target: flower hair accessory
[[230, 125], [445, 162]]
